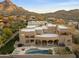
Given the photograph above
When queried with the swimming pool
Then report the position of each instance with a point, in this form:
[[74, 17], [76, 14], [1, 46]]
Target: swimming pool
[[37, 51]]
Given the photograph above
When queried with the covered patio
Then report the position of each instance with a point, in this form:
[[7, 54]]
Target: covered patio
[[46, 42]]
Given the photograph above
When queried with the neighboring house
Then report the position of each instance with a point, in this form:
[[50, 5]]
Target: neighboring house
[[73, 23], [6, 21]]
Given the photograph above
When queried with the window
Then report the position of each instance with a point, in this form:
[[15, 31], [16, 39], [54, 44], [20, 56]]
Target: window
[[20, 45], [64, 33], [61, 44], [50, 41], [32, 36], [69, 40], [38, 33], [32, 41], [27, 41], [56, 42], [26, 36]]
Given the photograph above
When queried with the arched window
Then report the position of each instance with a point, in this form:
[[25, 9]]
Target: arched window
[[44, 42], [50, 41], [56, 42], [38, 42]]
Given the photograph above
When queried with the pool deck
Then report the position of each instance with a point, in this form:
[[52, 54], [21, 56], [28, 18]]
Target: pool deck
[[19, 51]]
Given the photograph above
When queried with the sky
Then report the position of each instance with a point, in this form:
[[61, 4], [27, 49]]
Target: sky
[[45, 6]]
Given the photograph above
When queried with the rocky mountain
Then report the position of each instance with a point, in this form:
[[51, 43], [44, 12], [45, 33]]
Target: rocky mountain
[[8, 8]]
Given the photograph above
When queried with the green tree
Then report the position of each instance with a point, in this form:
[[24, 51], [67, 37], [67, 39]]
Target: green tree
[[5, 36], [50, 51], [7, 31], [76, 38], [1, 17], [10, 18], [1, 39]]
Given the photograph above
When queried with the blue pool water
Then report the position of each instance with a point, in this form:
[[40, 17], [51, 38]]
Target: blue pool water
[[37, 51]]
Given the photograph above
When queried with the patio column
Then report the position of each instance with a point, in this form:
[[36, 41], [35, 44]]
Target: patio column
[[44, 43], [38, 42]]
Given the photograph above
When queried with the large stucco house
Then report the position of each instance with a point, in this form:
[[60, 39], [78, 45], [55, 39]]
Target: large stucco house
[[42, 33]]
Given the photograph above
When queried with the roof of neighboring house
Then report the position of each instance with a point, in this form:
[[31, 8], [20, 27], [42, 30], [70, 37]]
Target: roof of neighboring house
[[51, 25], [44, 27], [62, 27], [31, 26], [38, 28], [41, 27], [28, 30], [36, 22]]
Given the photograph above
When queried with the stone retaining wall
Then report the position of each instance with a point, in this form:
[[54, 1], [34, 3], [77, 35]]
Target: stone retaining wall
[[38, 56]]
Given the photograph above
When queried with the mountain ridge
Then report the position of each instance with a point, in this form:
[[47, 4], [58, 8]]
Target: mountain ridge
[[7, 7], [66, 15]]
